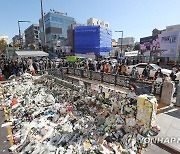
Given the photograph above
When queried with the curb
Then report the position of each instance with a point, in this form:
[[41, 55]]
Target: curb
[[168, 148]]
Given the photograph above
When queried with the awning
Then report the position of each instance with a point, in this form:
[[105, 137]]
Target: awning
[[31, 53], [131, 54]]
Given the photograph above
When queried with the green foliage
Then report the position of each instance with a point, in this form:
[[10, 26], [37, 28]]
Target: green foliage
[[3, 46], [137, 47], [16, 44]]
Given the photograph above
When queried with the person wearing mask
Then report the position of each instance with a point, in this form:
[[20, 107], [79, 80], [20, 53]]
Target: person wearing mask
[[134, 74]]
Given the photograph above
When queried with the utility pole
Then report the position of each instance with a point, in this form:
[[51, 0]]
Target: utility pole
[[19, 34], [42, 17], [121, 41]]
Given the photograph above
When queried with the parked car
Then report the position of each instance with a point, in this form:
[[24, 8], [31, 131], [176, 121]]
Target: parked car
[[141, 66], [178, 76]]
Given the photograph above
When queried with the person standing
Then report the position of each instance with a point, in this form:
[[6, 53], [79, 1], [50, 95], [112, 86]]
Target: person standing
[[173, 74], [7, 72], [106, 67], [109, 67], [91, 66], [102, 67], [134, 74], [98, 66], [146, 71], [123, 69], [34, 64], [158, 74]]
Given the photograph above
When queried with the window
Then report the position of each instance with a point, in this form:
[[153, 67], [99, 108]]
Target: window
[[53, 30], [141, 66], [155, 66]]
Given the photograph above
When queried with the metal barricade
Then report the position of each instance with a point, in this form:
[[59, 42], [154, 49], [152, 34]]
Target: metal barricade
[[77, 72], [71, 71], [119, 80], [108, 78], [96, 76], [86, 74]]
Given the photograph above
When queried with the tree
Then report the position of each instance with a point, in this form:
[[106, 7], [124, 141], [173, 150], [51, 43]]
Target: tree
[[32, 47], [137, 46], [16, 44], [156, 32], [3, 45]]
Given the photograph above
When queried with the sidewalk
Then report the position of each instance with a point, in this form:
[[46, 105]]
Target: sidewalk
[[154, 149], [169, 122]]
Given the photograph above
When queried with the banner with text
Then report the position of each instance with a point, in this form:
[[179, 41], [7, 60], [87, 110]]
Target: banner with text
[[169, 43]]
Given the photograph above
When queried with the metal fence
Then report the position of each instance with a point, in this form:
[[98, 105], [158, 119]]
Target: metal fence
[[117, 80]]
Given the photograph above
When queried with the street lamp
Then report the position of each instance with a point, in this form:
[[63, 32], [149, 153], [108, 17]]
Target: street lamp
[[121, 40], [42, 17], [20, 39]]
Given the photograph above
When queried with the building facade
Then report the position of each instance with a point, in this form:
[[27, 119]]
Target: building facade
[[16, 39], [70, 35], [19, 39], [56, 26], [32, 36], [172, 28], [97, 22], [165, 45], [92, 40], [127, 41]]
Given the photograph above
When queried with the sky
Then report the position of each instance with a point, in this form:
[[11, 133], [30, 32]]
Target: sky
[[136, 18]]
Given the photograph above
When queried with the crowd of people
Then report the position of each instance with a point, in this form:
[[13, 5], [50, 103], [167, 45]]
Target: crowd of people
[[19, 66], [120, 68]]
